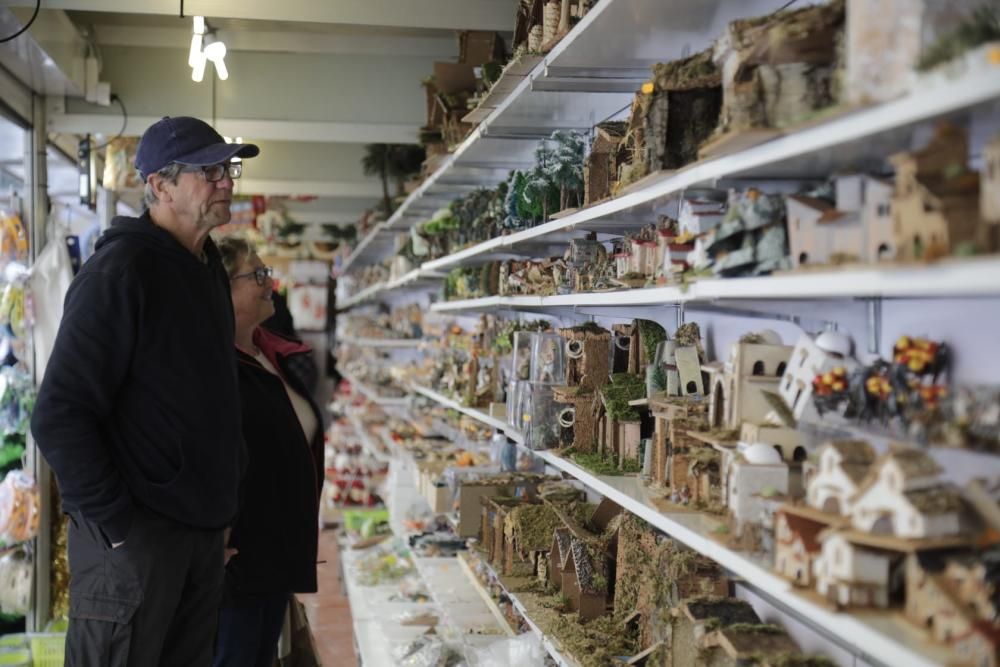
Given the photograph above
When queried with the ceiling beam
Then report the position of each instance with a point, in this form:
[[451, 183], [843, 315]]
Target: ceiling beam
[[273, 41], [441, 14], [275, 130]]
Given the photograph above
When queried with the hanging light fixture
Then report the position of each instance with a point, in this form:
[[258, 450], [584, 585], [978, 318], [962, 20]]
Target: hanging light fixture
[[205, 46]]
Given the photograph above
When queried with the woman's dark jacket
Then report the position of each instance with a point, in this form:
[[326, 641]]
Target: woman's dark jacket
[[277, 529]]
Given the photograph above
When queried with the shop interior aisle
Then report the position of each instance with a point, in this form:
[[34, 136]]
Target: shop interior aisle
[[328, 610]]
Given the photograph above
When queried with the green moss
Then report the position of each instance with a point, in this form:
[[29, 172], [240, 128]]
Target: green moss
[[756, 629], [981, 27], [651, 334], [598, 464]]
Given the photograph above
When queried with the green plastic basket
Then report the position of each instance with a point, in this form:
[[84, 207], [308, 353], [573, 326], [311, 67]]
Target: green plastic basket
[[48, 649], [15, 657]]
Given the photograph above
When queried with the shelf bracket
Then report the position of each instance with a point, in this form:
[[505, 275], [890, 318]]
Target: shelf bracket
[[874, 324]]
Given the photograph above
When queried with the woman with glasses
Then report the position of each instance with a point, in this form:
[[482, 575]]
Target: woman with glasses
[[272, 547]]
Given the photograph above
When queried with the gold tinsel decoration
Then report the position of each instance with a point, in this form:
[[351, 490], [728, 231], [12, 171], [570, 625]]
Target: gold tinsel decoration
[[60, 560]]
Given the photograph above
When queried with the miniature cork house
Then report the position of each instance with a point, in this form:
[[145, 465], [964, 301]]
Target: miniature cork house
[[955, 596], [607, 154], [936, 204], [587, 350], [903, 496], [737, 645], [584, 582], [856, 227], [843, 466], [559, 555], [812, 357], [697, 617], [796, 546], [671, 252], [682, 111], [471, 492], [785, 81]]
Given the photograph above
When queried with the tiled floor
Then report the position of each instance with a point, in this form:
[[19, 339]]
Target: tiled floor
[[328, 610]]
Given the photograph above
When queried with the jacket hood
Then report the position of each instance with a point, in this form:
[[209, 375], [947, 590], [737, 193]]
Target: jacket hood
[[143, 230]]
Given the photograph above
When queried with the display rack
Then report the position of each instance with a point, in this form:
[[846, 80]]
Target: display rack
[[372, 395], [589, 77], [392, 343]]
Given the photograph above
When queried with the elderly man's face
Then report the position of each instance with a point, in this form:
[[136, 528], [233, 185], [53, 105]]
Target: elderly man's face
[[207, 204]]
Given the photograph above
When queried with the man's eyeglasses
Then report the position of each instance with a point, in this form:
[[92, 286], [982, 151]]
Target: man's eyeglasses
[[260, 275], [216, 172]]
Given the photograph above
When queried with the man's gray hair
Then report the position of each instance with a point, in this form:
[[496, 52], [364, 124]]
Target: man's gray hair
[[171, 172]]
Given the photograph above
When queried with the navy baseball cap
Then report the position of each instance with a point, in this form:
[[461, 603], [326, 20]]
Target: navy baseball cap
[[185, 140]]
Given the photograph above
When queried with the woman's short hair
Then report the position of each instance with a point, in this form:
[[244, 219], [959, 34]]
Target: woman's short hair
[[171, 172], [235, 250]]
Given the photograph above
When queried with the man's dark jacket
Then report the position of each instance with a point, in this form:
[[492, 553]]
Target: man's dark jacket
[[277, 530], [139, 405]]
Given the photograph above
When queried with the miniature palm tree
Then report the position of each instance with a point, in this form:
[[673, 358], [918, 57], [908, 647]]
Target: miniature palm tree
[[391, 161]]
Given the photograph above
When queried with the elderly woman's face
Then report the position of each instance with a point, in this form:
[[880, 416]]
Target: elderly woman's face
[[251, 301]]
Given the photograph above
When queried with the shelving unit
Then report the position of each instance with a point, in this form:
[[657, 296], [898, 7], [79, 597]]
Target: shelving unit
[[557, 656], [371, 394], [390, 343], [589, 77]]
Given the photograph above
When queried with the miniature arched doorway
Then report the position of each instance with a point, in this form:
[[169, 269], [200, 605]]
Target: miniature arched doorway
[[692, 387], [718, 405], [758, 368], [883, 526], [799, 454], [883, 251], [832, 506], [803, 258], [780, 370]]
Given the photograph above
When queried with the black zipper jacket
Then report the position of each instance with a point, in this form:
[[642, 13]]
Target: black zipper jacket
[[276, 533], [140, 403]]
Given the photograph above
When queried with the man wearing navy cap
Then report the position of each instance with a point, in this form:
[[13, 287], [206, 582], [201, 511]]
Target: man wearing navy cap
[[138, 413]]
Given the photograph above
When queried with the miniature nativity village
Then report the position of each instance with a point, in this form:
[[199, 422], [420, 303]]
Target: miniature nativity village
[[710, 380]]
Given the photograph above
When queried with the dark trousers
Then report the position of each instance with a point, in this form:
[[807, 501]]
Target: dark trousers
[[154, 600], [248, 630]]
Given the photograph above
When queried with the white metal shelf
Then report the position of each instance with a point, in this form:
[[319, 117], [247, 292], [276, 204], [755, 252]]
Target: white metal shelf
[[390, 343], [547, 644], [362, 248], [840, 142], [372, 395], [362, 296], [878, 647], [969, 277], [475, 413]]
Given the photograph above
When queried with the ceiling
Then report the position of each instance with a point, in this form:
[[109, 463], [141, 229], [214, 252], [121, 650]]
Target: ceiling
[[310, 82]]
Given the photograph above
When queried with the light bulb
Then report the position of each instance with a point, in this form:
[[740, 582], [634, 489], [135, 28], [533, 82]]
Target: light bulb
[[215, 51], [195, 54], [220, 68], [199, 25], [198, 70]]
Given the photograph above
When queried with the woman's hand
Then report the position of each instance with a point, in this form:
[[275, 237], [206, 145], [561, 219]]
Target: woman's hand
[[227, 552]]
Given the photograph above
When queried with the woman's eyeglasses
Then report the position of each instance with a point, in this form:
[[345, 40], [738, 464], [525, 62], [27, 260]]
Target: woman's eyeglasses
[[260, 275], [216, 172]]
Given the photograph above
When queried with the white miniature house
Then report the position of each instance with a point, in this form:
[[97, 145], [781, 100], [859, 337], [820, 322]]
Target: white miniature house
[[903, 496], [751, 474], [737, 394], [858, 227], [812, 357], [843, 467], [852, 575]]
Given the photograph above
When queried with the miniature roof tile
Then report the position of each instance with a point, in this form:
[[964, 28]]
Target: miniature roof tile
[[586, 570], [746, 641], [812, 202], [914, 463], [856, 471], [806, 529], [940, 499], [854, 451], [560, 541], [727, 610]]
